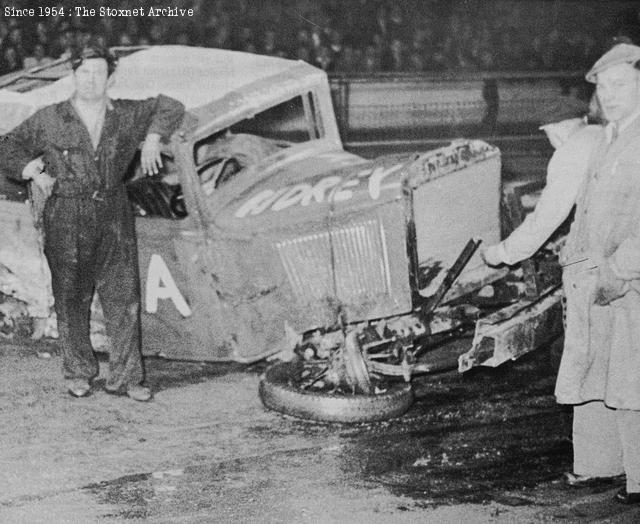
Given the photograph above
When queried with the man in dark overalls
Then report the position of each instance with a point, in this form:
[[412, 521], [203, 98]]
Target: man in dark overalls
[[78, 151]]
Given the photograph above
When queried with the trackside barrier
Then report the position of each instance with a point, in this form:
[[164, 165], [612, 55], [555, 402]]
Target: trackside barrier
[[387, 107]]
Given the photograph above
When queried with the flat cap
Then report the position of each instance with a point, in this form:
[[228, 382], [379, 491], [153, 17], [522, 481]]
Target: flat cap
[[619, 54]]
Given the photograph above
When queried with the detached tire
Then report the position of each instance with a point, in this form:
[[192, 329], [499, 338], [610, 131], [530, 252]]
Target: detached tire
[[277, 394]]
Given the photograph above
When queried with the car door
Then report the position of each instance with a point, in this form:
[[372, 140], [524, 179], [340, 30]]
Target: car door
[[179, 317]]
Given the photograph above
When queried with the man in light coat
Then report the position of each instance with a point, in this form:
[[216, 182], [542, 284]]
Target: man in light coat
[[598, 169]]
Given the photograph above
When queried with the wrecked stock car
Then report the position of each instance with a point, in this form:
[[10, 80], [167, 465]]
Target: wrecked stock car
[[262, 236]]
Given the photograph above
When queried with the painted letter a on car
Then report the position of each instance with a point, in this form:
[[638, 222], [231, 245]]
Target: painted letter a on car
[[161, 285]]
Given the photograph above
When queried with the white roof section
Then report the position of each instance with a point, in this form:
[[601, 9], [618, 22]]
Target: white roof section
[[195, 76]]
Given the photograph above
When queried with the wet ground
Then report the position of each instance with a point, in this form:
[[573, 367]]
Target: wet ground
[[483, 447], [490, 436]]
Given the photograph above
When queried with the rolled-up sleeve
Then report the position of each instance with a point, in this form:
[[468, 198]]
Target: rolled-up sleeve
[[161, 115]]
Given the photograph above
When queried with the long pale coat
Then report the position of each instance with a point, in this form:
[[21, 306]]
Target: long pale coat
[[601, 359]]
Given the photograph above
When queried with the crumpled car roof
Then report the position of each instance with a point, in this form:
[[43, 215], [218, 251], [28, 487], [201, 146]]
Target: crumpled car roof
[[199, 77]]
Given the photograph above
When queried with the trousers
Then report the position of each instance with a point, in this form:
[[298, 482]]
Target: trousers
[[606, 442], [90, 245]]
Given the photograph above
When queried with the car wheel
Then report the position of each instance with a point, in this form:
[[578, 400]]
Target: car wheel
[[278, 392]]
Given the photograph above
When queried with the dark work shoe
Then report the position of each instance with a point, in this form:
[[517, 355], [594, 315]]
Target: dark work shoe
[[78, 387], [137, 392], [583, 481], [627, 498]]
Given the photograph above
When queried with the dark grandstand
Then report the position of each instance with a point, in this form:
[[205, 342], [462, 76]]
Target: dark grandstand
[[343, 36]]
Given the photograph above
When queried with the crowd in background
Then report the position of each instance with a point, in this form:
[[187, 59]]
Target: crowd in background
[[344, 36]]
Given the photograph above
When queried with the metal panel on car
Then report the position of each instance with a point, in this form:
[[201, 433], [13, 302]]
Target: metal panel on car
[[357, 268]]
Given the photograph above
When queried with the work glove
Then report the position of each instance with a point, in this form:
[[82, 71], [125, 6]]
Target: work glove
[[491, 256], [608, 286]]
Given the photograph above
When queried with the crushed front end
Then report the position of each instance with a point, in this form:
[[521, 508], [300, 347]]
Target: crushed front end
[[447, 295]]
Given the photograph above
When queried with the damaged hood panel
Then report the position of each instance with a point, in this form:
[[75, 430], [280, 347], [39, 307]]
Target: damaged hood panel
[[311, 188], [317, 241]]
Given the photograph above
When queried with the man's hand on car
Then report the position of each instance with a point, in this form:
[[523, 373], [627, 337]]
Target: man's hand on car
[[34, 171], [150, 155]]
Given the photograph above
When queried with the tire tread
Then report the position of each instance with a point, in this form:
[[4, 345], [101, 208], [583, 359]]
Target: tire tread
[[278, 395]]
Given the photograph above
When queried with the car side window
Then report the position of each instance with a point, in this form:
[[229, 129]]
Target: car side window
[[287, 122]]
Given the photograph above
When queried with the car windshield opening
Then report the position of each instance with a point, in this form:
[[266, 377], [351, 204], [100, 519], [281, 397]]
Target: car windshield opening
[[221, 156]]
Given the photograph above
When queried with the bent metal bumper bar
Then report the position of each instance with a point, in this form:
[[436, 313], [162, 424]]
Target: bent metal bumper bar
[[513, 331]]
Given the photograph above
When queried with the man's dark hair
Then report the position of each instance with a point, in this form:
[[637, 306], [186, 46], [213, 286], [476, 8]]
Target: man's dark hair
[[94, 51]]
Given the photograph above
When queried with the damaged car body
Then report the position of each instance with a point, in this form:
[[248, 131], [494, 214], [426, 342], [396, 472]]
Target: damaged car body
[[263, 236]]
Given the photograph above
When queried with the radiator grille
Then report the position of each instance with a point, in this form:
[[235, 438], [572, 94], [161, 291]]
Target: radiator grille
[[358, 253]]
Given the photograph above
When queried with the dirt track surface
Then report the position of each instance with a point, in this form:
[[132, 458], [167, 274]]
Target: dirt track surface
[[488, 447]]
